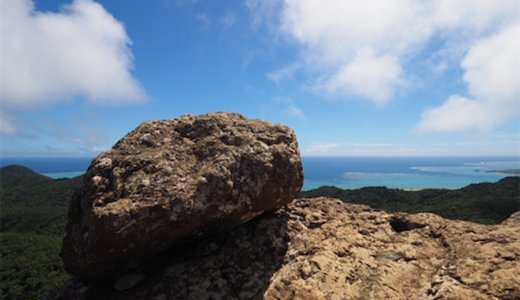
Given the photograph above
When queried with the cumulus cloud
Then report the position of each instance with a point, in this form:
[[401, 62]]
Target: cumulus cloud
[[491, 69], [364, 48], [367, 75], [82, 50]]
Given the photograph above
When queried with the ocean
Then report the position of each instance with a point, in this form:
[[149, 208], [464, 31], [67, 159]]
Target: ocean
[[54, 167], [404, 172], [344, 172]]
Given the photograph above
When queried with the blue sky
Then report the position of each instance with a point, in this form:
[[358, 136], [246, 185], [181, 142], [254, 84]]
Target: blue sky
[[396, 77]]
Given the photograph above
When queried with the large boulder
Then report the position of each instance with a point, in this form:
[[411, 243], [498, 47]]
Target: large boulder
[[322, 248], [168, 182]]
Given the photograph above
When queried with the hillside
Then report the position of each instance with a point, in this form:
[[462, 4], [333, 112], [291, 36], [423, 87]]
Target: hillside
[[32, 220], [485, 203]]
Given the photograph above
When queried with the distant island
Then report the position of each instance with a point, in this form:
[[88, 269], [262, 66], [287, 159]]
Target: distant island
[[506, 171]]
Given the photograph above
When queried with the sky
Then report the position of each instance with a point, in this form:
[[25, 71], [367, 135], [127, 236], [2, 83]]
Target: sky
[[351, 77]]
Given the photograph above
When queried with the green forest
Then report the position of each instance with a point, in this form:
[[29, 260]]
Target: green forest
[[33, 215]]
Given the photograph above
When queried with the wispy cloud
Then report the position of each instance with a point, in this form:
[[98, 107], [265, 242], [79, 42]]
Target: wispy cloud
[[295, 112], [386, 149], [321, 149], [473, 146], [288, 108], [203, 19], [263, 12], [228, 20], [284, 73], [7, 124], [372, 145], [248, 57], [85, 134]]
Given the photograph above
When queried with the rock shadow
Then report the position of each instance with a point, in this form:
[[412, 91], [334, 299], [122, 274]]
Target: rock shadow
[[237, 264], [400, 224]]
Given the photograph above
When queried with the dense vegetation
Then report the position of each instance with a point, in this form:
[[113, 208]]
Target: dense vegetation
[[486, 203], [33, 213]]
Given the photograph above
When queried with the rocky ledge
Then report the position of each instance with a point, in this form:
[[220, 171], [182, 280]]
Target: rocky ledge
[[322, 248]]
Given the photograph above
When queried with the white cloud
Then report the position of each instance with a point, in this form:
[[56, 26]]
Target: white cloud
[[479, 15], [50, 57], [360, 48], [492, 66], [367, 75], [491, 71], [354, 48]]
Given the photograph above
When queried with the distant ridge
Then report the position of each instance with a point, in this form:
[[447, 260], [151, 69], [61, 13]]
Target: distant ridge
[[21, 186], [19, 175]]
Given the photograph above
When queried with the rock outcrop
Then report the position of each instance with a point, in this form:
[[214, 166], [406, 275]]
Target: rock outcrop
[[172, 181], [187, 209], [325, 249]]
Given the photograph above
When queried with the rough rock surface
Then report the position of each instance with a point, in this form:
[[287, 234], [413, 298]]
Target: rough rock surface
[[174, 180], [324, 249]]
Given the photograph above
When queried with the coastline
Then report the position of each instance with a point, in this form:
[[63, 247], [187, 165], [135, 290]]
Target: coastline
[[61, 175], [506, 171]]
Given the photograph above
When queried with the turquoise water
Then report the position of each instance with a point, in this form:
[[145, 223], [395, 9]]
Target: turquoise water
[[54, 167], [404, 172], [59, 175]]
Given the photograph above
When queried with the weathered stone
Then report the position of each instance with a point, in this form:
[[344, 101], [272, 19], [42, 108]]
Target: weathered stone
[[313, 249], [171, 181]]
